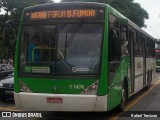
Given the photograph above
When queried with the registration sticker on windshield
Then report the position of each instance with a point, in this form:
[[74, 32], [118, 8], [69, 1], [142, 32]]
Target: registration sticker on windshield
[[37, 69]]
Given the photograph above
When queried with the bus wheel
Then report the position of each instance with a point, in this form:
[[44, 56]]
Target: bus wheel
[[123, 99]]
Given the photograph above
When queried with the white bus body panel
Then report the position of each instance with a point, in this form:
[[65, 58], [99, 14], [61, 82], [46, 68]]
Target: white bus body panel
[[38, 101], [150, 66], [139, 66], [138, 84]]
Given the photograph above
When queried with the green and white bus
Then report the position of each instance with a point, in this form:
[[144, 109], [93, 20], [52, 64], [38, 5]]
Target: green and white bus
[[94, 58]]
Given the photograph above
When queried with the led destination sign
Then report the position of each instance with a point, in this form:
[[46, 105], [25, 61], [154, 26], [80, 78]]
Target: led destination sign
[[65, 14]]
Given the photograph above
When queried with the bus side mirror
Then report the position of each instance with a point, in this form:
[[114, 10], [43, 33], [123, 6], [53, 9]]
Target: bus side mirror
[[11, 29]]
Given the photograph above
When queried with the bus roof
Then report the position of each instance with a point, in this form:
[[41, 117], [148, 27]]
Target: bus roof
[[65, 5], [140, 30], [122, 17]]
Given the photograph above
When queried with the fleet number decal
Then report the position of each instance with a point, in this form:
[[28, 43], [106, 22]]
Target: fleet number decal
[[77, 87]]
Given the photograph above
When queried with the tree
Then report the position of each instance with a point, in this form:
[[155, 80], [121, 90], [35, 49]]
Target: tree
[[128, 8], [13, 10]]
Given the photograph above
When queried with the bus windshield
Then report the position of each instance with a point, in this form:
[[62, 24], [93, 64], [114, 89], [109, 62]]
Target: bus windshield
[[61, 48]]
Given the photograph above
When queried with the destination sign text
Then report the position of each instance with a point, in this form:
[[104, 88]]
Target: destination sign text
[[59, 14]]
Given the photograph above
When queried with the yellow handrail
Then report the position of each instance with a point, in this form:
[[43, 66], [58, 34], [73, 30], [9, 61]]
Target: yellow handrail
[[38, 48]]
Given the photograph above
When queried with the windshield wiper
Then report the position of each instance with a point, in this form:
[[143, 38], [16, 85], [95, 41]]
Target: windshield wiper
[[69, 40]]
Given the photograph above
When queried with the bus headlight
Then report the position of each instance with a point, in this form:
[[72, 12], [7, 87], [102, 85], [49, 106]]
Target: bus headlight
[[23, 87], [92, 89]]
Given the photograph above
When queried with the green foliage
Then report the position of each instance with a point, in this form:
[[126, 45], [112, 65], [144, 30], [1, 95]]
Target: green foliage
[[15, 7], [13, 10], [128, 8]]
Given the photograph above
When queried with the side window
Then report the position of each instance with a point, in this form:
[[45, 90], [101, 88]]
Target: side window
[[124, 40], [153, 48], [114, 41], [114, 21], [131, 40], [142, 45], [148, 47], [136, 45], [114, 46], [123, 32]]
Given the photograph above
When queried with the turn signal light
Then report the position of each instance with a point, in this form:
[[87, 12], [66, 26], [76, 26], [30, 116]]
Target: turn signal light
[[23, 87], [92, 89]]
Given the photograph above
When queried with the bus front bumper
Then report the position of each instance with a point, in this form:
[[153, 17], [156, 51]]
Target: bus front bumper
[[60, 102]]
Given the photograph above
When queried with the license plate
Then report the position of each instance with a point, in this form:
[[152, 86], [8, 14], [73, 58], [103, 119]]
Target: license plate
[[54, 100], [8, 92]]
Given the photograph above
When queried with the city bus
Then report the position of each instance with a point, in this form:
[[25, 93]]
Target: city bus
[[157, 52], [87, 57]]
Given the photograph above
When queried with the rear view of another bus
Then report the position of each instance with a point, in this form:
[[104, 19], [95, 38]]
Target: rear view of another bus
[[157, 52]]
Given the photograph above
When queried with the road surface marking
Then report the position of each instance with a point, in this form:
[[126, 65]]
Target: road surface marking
[[8, 109], [134, 101], [12, 107]]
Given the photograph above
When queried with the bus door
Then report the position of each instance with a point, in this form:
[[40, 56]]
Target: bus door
[[114, 62], [139, 61], [132, 59]]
